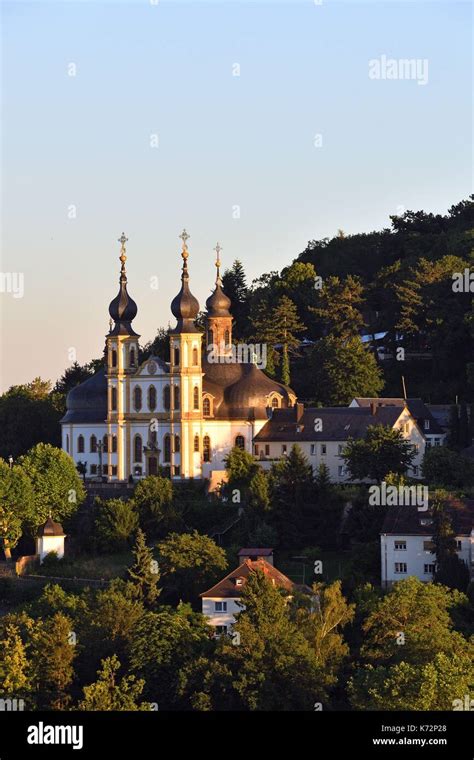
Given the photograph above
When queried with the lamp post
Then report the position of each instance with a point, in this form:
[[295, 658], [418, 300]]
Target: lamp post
[[100, 446], [10, 461]]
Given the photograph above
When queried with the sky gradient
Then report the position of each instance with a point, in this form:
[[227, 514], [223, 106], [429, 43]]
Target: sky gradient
[[167, 70]]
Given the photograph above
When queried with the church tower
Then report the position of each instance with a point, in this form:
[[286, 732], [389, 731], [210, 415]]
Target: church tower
[[122, 362], [219, 318], [186, 380]]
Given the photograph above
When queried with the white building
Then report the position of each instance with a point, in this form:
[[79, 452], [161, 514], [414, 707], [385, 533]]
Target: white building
[[433, 433], [221, 603], [406, 541], [323, 433], [184, 415], [50, 538]]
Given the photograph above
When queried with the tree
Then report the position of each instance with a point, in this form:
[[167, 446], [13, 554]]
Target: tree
[[235, 287], [107, 693], [116, 523], [279, 325], [259, 492], [16, 505], [453, 572], [14, 666], [291, 482], [342, 370], [144, 573], [447, 468], [241, 467], [190, 563], [56, 484], [454, 427], [52, 654], [28, 415], [444, 537], [153, 500], [72, 376], [383, 450], [159, 347], [339, 308]]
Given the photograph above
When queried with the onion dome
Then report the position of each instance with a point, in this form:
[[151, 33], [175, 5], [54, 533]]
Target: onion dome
[[51, 528], [184, 306], [218, 304], [254, 388], [123, 308]]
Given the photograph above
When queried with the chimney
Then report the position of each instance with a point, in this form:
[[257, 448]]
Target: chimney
[[299, 410], [373, 408]]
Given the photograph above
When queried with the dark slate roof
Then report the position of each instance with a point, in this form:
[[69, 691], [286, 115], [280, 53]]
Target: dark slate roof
[[416, 407], [87, 402], [469, 452], [408, 520], [255, 552], [227, 586], [442, 414], [51, 528], [338, 423]]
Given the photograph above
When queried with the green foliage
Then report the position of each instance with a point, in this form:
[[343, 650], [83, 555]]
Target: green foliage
[[383, 450], [339, 307], [447, 468], [56, 484], [14, 665], [189, 564], [116, 523], [16, 505], [108, 693], [343, 369], [29, 414], [153, 500], [144, 573]]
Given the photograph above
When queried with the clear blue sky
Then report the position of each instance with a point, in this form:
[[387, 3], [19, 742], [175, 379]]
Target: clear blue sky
[[166, 69]]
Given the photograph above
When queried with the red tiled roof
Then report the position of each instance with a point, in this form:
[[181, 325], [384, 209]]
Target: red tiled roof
[[227, 586]]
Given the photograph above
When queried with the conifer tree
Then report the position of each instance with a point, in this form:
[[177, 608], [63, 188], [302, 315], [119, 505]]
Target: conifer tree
[[144, 573]]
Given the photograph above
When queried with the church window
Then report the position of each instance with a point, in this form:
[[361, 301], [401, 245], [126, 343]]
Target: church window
[[176, 357], [114, 444], [206, 448], [195, 357], [114, 357], [93, 445], [80, 444], [177, 444], [105, 443], [152, 398], [196, 397], [132, 357], [240, 442], [227, 337], [67, 444], [137, 448], [275, 402], [210, 337], [206, 407], [137, 398], [167, 447], [166, 397], [176, 397], [196, 443], [93, 469], [113, 399]]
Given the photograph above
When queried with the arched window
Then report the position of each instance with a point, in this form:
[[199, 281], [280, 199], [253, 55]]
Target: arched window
[[275, 402], [67, 443], [176, 357], [240, 441], [206, 448], [152, 398], [80, 444], [227, 337], [132, 357], [195, 357], [93, 445], [114, 444], [167, 447], [196, 397], [137, 398], [177, 444], [113, 399], [105, 443], [176, 396], [137, 448], [206, 407], [114, 357], [166, 397], [196, 443], [210, 337]]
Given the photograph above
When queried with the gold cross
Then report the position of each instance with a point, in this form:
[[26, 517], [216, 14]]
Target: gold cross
[[184, 237], [122, 239]]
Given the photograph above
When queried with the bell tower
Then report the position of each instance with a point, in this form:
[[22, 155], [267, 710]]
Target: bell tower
[[122, 362], [185, 380], [219, 318]]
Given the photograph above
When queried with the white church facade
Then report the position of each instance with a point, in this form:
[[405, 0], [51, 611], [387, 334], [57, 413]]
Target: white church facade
[[185, 415]]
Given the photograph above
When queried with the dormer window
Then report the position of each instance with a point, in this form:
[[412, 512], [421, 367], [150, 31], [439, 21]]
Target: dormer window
[[426, 424], [132, 357], [239, 581]]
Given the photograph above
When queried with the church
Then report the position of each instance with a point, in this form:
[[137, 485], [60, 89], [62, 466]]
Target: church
[[183, 416]]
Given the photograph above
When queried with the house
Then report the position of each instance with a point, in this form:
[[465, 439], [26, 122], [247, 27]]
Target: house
[[406, 541], [322, 434], [433, 432], [220, 604]]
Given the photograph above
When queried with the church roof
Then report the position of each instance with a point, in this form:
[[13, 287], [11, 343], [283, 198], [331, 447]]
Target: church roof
[[123, 308], [51, 528], [87, 402]]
